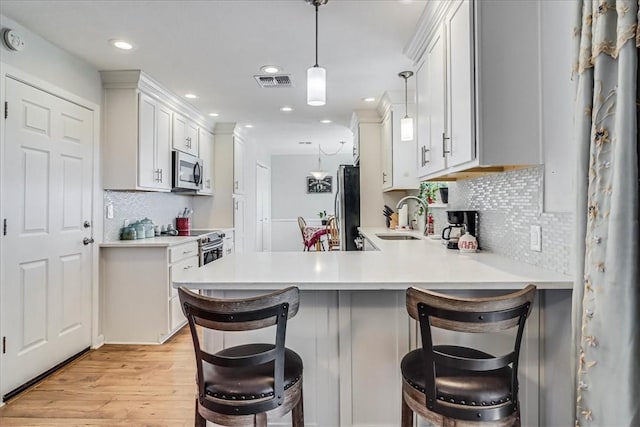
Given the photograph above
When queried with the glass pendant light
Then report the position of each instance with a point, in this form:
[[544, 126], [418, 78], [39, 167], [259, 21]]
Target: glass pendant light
[[406, 124], [319, 173], [316, 75]]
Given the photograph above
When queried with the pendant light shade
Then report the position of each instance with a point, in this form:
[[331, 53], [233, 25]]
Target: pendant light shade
[[319, 173], [316, 75], [406, 129], [406, 124], [316, 86]]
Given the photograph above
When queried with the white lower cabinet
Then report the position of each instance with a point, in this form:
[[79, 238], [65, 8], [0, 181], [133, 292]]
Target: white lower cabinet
[[139, 303]]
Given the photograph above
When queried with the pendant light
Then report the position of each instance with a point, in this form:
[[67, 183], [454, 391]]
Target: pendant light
[[319, 173], [316, 75], [406, 124]]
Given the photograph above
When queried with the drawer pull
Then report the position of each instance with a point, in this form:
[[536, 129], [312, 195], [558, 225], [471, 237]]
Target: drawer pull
[[187, 267]]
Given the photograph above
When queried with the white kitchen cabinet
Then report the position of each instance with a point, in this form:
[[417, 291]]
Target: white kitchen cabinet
[[355, 130], [478, 90], [136, 150], [239, 221], [206, 149], [228, 246], [185, 135], [238, 165], [221, 212], [398, 157], [154, 135], [139, 304], [138, 131], [431, 107]]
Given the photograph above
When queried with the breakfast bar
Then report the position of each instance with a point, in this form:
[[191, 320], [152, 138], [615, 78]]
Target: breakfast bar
[[352, 328]]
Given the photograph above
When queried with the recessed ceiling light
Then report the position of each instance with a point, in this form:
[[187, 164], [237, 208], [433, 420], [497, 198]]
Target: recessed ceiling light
[[370, 99], [270, 69], [286, 109], [121, 44], [325, 121], [248, 126], [214, 114], [190, 95]]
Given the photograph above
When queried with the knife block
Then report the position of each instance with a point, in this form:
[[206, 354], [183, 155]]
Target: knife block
[[394, 221]]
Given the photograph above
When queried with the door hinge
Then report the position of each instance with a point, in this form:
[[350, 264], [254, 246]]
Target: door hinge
[[4, 345], [6, 109], [4, 227]]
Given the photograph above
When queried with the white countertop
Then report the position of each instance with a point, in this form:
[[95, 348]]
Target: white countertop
[[149, 242], [396, 265]]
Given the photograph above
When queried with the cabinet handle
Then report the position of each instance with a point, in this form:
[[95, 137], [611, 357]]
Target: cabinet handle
[[444, 145], [161, 175], [384, 177], [187, 267], [235, 185], [424, 155]]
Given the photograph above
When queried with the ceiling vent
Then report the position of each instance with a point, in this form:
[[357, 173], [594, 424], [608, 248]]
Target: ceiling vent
[[274, 81]]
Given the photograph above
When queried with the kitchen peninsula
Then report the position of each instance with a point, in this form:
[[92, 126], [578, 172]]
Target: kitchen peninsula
[[352, 329]]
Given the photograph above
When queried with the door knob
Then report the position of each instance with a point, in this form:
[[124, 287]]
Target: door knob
[[86, 224], [87, 240]]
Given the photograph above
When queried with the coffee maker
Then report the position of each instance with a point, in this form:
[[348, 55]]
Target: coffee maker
[[459, 223]]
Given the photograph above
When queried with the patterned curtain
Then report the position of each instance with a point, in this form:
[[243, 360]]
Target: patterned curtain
[[606, 297]]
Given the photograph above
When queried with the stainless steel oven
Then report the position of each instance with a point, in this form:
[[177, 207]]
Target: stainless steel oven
[[210, 247]]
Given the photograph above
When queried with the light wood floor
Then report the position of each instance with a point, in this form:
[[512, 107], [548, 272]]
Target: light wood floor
[[116, 385]]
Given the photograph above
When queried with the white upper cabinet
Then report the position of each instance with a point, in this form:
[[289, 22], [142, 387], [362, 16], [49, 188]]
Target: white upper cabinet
[[431, 107], [185, 135], [355, 130], [398, 157], [478, 87], [205, 144], [139, 131], [154, 151], [459, 68]]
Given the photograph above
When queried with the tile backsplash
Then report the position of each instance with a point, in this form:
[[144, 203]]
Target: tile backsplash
[[508, 204], [162, 208]]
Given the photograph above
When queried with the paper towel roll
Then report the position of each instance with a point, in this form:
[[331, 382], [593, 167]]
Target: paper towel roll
[[403, 216]]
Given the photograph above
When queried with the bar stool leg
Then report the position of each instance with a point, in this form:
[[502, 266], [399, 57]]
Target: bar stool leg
[[297, 413], [407, 414], [199, 422], [261, 419]]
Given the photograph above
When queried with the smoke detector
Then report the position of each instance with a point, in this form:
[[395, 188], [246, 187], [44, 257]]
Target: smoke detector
[[281, 80]]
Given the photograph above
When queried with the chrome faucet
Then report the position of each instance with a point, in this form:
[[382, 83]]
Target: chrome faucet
[[419, 200]]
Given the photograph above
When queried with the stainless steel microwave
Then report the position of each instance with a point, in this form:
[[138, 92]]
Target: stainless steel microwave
[[187, 172]]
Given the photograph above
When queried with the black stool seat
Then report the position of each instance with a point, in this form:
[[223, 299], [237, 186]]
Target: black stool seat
[[249, 383], [462, 387]]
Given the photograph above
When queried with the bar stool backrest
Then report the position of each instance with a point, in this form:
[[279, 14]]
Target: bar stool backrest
[[241, 315], [475, 315]]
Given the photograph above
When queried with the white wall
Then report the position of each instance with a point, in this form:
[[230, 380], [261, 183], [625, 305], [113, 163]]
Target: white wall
[[48, 62], [289, 197]]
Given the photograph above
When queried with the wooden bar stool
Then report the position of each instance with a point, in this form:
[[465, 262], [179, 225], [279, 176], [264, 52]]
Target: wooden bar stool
[[461, 386], [240, 385]]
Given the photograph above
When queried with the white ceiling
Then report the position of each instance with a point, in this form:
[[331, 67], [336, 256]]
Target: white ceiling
[[214, 48]]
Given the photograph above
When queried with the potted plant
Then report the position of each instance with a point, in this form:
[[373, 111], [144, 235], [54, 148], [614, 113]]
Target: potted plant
[[323, 217], [430, 191]]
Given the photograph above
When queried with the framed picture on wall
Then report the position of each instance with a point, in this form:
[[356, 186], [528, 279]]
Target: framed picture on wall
[[323, 185]]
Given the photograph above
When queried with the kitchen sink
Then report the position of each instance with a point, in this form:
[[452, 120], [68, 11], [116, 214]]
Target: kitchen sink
[[396, 237]]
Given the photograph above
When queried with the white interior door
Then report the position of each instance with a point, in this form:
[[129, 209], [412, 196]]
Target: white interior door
[[46, 266]]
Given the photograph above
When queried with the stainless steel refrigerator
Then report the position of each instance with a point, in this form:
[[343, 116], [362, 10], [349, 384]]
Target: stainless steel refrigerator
[[347, 206]]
